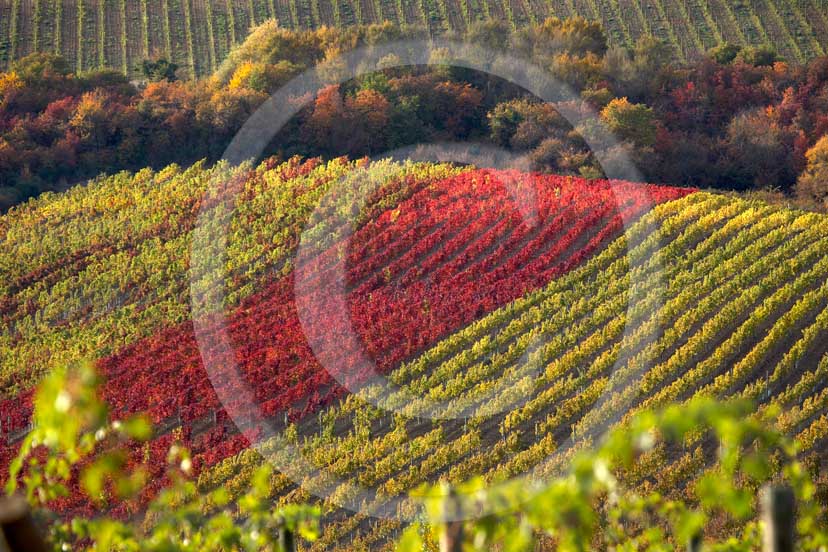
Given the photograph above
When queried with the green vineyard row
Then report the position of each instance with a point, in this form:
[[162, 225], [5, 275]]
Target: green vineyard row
[[132, 262], [198, 34], [706, 295]]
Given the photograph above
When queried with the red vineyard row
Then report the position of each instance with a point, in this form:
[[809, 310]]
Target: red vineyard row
[[443, 258]]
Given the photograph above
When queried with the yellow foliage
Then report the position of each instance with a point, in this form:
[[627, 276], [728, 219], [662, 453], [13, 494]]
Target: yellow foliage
[[9, 82], [812, 185], [241, 76], [629, 121], [818, 153]]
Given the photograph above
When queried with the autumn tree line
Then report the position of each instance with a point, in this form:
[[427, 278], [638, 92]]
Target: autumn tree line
[[737, 119]]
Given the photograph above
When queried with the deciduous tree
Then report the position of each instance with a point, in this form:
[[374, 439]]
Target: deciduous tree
[[812, 184]]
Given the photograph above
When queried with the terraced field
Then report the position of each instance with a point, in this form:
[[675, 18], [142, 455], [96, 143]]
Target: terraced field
[[198, 34], [537, 310]]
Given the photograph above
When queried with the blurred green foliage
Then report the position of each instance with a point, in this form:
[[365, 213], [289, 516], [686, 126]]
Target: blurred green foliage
[[590, 507], [81, 444]]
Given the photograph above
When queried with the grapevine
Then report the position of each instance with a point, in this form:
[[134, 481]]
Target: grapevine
[[211, 37], [785, 30], [317, 19], [188, 33], [357, 4], [231, 21], [102, 33], [251, 13], [58, 26], [532, 332], [81, 18], [36, 25], [294, 13], [15, 9], [145, 28], [336, 13], [124, 59], [165, 18]]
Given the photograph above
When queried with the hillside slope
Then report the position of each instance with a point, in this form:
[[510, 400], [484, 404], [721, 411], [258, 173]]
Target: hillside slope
[[438, 247], [198, 34], [518, 301], [741, 311]]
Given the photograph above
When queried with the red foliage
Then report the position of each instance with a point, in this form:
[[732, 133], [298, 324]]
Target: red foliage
[[451, 253]]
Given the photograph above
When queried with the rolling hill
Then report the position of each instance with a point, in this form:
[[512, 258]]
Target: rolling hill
[[519, 301], [198, 34]]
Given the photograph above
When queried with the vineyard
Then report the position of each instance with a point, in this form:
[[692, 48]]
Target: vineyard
[[198, 34], [538, 310]]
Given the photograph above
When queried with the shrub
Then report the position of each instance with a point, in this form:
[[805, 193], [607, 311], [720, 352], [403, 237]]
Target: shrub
[[158, 70], [724, 53], [758, 56], [635, 123], [596, 505], [812, 185], [73, 431]]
